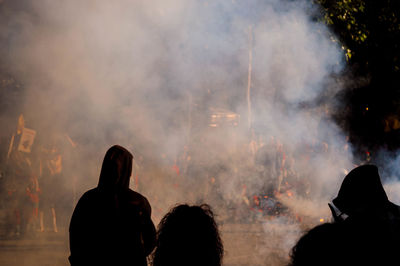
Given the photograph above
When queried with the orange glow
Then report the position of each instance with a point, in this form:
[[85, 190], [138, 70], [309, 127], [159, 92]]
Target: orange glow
[[321, 220]]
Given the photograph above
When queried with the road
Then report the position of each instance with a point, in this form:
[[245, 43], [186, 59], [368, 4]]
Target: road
[[245, 244]]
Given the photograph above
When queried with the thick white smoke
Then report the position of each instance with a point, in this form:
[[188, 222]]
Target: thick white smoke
[[144, 74]]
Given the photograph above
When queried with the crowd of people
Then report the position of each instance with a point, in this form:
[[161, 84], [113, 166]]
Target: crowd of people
[[37, 185], [30, 200], [112, 225]]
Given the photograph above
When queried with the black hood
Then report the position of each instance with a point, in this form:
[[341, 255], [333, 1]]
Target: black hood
[[361, 190], [116, 170]]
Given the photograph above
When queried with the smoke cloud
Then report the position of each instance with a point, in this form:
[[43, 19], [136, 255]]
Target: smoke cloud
[[149, 75]]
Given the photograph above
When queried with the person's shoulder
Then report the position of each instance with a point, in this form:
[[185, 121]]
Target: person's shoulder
[[136, 196], [138, 199], [90, 192], [88, 195], [85, 204], [394, 209]]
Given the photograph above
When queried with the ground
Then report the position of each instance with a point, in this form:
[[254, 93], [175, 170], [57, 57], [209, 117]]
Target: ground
[[245, 244]]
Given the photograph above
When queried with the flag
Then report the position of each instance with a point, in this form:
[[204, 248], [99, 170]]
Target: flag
[[27, 138]]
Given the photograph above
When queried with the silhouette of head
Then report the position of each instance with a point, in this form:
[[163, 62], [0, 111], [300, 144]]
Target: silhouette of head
[[346, 244], [319, 246], [360, 191], [116, 170], [188, 235]]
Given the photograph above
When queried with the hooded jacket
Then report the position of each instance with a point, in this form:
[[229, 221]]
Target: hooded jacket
[[111, 224], [370, 235], [362, 194]]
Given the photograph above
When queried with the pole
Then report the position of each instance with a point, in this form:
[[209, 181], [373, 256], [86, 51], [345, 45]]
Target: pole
[[249, 77]]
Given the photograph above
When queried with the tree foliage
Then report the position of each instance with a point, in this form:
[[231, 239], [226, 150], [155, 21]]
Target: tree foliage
[[369, 31]]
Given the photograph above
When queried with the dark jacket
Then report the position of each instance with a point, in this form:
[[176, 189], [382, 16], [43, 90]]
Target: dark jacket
[[111, 224], [361, 196], [371, 232]]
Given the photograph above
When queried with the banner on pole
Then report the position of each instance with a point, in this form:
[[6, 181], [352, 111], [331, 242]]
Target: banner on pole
[[27, 138]]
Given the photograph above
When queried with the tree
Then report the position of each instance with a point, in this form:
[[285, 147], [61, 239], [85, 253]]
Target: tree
[[369, 32]]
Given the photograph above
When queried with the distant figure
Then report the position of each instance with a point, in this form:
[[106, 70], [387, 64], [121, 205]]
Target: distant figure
[[50, 178], [188, 236], [111, 224], [366, 230]]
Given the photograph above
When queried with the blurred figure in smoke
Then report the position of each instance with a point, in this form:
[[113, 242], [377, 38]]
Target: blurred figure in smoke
[[50, 180], [21, 184], [111, 224], [267, 166], [188, 235]]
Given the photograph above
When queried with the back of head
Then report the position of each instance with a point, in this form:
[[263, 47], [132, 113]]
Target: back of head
[[341, 244], [360, 191], [319, 246], [188, 235], [116, 170]]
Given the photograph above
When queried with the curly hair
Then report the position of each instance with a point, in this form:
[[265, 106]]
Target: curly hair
[[188, 235]]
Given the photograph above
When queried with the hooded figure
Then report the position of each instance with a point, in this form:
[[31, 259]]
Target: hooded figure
[[371, 232], [362, 195], [111, 224]]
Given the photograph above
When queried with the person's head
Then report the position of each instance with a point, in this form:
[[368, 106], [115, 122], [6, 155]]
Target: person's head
[[361, 191], [346, 244], [116, 169], [319, 246], [188, 235]]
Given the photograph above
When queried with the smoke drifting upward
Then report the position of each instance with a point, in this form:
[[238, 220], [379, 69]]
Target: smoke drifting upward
[[145, 75]]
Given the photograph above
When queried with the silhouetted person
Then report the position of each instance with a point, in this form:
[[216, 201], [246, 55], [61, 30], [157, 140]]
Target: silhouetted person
[[370, 220], [362, 198], [188, 235], [366, 230], [111, 224]]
